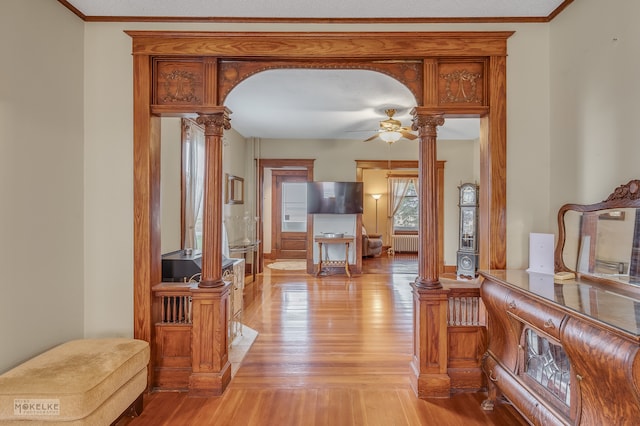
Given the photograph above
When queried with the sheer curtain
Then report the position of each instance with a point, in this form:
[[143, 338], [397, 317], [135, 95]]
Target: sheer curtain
[[397, 189], [193, 172]]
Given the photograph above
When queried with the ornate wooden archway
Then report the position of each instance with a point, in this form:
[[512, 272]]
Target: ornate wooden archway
[[190, 74]]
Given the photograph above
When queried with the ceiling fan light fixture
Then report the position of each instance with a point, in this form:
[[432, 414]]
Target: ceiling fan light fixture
[[390, 136]]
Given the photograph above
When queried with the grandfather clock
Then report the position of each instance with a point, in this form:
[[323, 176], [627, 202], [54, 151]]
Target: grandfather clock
[[468, 240]]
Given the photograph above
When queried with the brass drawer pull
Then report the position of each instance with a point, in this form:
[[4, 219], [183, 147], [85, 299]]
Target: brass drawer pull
[[549, 324], [512, 304], [492, 377]]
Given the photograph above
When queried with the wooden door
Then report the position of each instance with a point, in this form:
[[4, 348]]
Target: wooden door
[[289, 214]]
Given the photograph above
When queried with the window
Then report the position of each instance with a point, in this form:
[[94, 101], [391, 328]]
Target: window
[[193, 175], [403, 204], [294, 207], [406, 215]]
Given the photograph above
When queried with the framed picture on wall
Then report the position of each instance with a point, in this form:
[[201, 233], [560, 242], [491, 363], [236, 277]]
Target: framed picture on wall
[[234, 189]]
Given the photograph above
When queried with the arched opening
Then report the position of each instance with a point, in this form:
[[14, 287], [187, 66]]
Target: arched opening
[[292, 113], [432, 65]]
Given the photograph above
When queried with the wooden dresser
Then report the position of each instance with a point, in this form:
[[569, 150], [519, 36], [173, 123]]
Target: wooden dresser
[[566, 351], [563, 352]]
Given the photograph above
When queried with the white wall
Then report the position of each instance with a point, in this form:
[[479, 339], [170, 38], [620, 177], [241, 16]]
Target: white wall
[[41, 178], [595, 137]]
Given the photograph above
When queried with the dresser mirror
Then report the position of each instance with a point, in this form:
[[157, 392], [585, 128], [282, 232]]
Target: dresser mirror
[[602, 240]]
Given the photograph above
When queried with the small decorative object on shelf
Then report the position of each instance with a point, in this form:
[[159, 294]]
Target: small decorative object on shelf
[[467, 259]]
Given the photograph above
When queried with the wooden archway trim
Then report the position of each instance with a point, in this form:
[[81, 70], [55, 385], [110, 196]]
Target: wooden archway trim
[[442, 56], [233, 73]]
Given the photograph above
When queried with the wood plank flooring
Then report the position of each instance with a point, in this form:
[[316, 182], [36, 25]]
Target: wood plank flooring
[[331, 351]]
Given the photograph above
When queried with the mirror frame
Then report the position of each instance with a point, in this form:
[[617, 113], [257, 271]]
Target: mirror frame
[[624, 196]]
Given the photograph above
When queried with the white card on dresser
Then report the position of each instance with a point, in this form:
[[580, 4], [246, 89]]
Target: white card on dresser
[[541, 247]]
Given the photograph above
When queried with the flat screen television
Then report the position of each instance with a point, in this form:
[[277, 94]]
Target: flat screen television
[[334, 197]]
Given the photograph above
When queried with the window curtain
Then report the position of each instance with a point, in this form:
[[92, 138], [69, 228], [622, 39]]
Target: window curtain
[[397, 189], [193, 172]]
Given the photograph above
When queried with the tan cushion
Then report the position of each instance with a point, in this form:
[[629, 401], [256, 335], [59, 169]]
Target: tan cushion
[[79, 376]]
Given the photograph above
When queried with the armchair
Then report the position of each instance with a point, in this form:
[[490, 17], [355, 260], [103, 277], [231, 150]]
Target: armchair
[[371, 244]]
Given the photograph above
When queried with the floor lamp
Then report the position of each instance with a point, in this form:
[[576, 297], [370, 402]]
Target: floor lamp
[[376, 197]]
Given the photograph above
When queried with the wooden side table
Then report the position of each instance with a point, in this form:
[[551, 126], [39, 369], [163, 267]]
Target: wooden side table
[[346, 240]]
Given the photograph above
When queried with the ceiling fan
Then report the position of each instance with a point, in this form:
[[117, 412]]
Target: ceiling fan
[[391, 130]]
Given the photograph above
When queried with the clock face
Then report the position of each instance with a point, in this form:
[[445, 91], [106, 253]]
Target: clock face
[[468, 195]]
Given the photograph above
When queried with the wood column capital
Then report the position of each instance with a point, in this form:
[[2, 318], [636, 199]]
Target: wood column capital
[[426, 123], [216, 122]]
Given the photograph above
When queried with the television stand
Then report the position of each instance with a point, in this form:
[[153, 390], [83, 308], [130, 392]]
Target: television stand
[[344, 263]]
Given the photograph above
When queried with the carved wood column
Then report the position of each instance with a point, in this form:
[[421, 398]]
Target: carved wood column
[[210, 367], [214, 125], [430, 301], [425, 122]]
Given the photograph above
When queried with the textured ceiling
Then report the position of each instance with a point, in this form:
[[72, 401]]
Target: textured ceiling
[[322, 104], [318, 9], [326, 104]]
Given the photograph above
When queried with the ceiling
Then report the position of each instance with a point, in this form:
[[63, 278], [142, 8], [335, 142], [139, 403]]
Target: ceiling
[[322, 104], [326, 104], [301, 9]]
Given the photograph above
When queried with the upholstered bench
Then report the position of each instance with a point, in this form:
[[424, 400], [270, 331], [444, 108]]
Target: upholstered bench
[[81, 382]]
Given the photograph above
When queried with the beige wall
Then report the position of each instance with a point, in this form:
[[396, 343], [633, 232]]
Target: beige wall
[[41, 179], [595, 137], [571, 94]]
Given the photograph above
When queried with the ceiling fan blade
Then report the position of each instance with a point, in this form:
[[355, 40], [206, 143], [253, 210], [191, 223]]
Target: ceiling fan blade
[[371, 138], [408, 135]]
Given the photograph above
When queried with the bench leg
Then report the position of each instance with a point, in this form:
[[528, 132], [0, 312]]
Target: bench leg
[[134, 410]]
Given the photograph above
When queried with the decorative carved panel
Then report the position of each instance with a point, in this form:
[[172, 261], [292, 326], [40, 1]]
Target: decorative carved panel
[[461, 83], [408, 72], [179, 83]]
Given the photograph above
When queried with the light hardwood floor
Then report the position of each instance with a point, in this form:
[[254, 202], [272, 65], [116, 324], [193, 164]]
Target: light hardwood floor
[[331, 351]]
